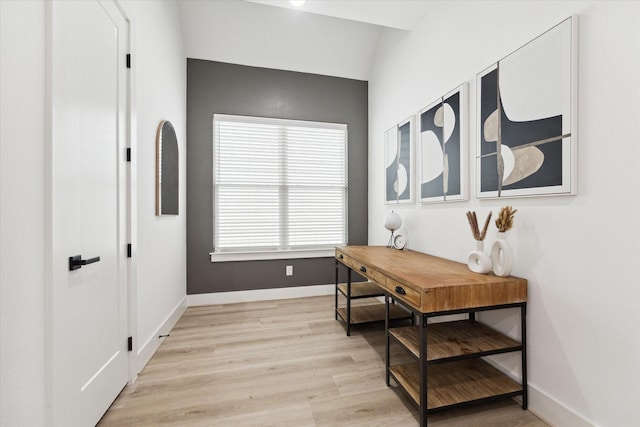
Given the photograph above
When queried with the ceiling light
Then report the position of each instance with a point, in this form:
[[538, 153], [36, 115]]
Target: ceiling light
[[297, 3]]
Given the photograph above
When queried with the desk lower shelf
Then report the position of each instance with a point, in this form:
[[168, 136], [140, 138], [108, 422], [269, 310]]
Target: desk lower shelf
[[370, 313], [458, 339], [361, 290], [455, 383]]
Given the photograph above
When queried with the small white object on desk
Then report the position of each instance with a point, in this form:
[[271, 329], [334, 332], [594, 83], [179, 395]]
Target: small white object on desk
[[399, 241], [392, 222]]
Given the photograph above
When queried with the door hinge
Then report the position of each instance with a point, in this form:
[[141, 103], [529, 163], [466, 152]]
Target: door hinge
[[128, 250], [130, 343], [128, 154], [128, 60]]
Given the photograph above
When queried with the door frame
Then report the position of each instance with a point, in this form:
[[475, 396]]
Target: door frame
[[131, 198]]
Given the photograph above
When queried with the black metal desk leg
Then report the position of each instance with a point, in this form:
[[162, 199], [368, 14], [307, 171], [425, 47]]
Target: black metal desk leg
[[386, 332], [336, 308], [523, 319], [423, 370], [348, 302]]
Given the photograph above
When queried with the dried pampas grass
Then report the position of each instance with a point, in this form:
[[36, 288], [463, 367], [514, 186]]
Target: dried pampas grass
[[473, 223], [504, 221]]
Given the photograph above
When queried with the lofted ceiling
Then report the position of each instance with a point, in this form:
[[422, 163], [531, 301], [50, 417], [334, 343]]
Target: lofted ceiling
[[329, 37], [398, 14]]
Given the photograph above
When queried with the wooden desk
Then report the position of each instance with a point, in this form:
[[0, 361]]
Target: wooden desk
[[448, 370]]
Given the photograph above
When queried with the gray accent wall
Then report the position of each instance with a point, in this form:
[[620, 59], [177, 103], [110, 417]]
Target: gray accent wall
[[216, 87]]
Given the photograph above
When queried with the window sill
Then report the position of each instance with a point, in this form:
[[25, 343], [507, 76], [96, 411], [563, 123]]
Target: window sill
[[267, 255]]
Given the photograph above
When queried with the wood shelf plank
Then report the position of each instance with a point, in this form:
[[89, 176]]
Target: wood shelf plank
[[456, 382], [372, 313], [362, 290], [455, 339]]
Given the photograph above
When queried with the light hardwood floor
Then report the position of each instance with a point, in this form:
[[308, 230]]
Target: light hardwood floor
[[279, 363]]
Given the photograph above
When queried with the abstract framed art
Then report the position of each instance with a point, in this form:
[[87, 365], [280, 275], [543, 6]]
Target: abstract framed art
[[442, 149], [399, 163], [526, 119]]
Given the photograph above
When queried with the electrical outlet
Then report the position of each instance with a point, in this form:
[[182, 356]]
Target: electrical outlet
[[289, 270]]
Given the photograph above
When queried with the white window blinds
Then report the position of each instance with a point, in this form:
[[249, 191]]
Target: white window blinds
[[279, 185]]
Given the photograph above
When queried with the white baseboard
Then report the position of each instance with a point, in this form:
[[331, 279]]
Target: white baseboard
[[259, 295], [553, 412], [544, 406], [147, 350]]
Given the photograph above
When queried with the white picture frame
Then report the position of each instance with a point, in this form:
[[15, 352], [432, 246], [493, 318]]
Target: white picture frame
[[527, 119], [399, 163], [442, 148]]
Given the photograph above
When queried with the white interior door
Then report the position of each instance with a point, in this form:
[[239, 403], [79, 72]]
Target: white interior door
[[87, 334]]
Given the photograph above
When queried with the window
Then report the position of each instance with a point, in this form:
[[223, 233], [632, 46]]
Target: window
[[280, 186]]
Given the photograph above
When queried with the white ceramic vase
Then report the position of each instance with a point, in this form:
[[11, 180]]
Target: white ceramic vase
[[501, 256], [478, 261]]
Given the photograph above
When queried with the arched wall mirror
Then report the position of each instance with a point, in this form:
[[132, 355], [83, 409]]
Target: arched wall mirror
[[167, 161]]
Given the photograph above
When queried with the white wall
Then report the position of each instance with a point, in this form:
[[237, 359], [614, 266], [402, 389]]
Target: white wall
[[252, 34], [22, 207], [160, 92], [580, 254], [159, 67]]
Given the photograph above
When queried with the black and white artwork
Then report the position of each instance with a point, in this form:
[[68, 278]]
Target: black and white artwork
[[442, 148], [526, 143], [399, 174]]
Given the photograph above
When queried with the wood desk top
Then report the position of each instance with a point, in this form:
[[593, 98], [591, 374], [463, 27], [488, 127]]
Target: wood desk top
[[431, 284]]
